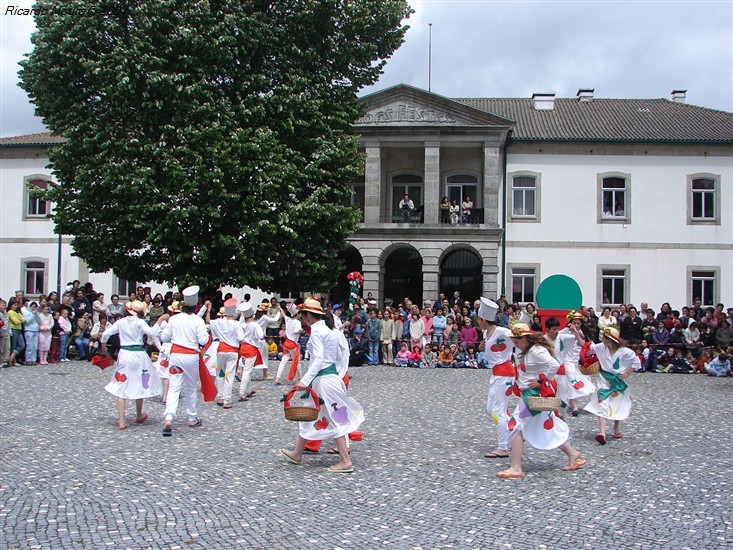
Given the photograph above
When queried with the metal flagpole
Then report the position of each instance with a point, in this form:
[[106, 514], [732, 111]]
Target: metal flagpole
[[430, 55]]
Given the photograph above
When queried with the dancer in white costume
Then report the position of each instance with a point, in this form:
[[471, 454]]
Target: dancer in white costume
[[230, 336], [498, 348], [572, 339], [264, 320], [613, 398], [134, 376], [340, 414], [291, 349], [542, 430], [251, 352]]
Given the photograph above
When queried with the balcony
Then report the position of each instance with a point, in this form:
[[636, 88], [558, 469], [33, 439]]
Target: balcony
[[416, 217]]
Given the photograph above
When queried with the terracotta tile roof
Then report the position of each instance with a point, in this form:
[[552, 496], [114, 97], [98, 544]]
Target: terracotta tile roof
[[610, 120], [43, 138]]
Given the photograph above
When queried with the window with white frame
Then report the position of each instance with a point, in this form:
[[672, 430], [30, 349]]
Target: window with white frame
[[523, 284], [703, 203], [613, 286], [614, 201], [524, 197], [34, 206], [703, 286], [34, 277]]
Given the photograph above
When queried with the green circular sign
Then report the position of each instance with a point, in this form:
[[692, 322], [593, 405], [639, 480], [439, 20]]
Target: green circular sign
[[559, 292]]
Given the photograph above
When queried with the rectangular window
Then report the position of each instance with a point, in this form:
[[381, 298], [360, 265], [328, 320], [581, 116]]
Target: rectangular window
[[523, 196], [523, 284], [34, 277], [614, 198], [36, 207], [613, 283], [703, 199], [125, 288], [703, 286], [357, 198]]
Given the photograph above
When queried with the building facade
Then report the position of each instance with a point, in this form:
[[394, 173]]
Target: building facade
[[631, 198]]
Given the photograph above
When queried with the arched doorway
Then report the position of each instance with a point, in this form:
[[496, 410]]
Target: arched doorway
[[352, 262], [461, 270], [403, 275]]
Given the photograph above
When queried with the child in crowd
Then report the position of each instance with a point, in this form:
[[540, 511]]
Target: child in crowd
[[720, 366], [700, 364], [445, 357], [403, 356], [54, 351], [459, 358], [430, 357], [440, 322], [471, 359], [680, 365], [415, 360], [664, 363], [455, 332], [272, 349]]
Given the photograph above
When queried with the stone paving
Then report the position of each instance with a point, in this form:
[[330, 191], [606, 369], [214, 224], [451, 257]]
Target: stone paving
[[70, 479]]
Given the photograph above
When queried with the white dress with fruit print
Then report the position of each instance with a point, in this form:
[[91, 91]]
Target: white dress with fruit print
[[134, 376], [543, 430], [579, 384]]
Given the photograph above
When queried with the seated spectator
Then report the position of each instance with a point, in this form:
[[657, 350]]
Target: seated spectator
[[471, 359], [698, 363], [272, 349], [707, 337], [402, 359], [445, 357], [660, 336], [459, 358], [415, 360], [664, 362], [430, 357], [469, 335], [649, 325], [680, 365], [724, 335], [81, 335], [720, 366], [359, 348], [96, 333]]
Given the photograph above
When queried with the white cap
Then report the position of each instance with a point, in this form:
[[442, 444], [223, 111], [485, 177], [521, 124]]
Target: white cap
[[191, 295], [246, 308], [230, 307], [487, 310]]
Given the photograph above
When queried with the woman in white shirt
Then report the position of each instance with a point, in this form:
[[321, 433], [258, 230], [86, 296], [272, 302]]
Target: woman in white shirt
[[606, 319]]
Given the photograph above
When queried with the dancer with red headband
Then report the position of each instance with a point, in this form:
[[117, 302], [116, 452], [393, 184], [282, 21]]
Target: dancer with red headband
[[230, 335]]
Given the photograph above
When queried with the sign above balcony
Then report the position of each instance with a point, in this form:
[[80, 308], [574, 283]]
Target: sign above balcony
[[404, 113]]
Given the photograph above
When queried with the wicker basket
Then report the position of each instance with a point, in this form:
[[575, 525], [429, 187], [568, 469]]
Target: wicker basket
[[300, 413], [544, 403], [593, 368]]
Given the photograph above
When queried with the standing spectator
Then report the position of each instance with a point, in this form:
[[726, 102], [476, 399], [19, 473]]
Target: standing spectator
[[455, 212], [4, 333], [660, 336], [439, 324], [406, 208], [64, 333], [81, 305], [467, 207], [709, 319], [386, 337], [397, 332], [691, 337], [444, 209], [98, 306], [606, 319], [428, 327], [469, 335], [724, 335], [45, 326], [417, 329], [31, 334], [648, 324], [373, 335], [156, 310], [17, 341]]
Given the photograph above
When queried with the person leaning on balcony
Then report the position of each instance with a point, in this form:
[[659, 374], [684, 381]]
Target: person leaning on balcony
[[444, 209], [466, 207], [455, 210], [406, 206]]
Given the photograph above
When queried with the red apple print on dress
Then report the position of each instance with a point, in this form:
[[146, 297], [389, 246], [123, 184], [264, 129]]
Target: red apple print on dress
[[511, 424], [499, 346], [614, 394], [549, 423], [175, 370], [321, 424], [522, 367], [510, 388], [579, 384], [120, 377], [146, 379]]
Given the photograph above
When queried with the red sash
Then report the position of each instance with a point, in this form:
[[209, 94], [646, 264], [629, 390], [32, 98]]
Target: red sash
[[208, 388], [248, 351], [226, 348], [289, 346], [504, 369]]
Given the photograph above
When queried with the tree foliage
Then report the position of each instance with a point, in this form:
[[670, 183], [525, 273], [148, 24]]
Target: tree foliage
[[208, 141]]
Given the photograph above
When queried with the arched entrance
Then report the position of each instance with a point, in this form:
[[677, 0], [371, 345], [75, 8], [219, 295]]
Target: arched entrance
[[352, 262], [461, 270], [403, 275]]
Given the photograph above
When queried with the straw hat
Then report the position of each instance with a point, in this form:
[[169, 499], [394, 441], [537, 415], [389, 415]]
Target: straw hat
[[611, 333], [312, 306], [176, 306], [137, 307], [520, 329], [572, 315], [222, 312]]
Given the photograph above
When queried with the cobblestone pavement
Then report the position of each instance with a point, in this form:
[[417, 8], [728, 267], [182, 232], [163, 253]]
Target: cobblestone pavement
[[69, 478]]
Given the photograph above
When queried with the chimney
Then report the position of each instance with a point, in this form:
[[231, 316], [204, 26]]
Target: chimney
[[585, 94], [543, 102], [679, 96]]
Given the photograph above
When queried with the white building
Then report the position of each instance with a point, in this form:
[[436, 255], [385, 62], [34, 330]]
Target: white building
[[631, 198]]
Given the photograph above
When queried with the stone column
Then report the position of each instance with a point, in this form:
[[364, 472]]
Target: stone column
[[492, 183], [371, 281], [431, 273], [431, 190], [372, 183]]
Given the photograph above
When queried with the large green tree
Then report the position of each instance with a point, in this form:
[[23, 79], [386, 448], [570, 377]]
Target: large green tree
[[208, 141]]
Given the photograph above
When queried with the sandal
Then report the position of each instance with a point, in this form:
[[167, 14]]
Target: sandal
[[167, 431], [142, 419], [576, 465], [601, 439], [618, 436], [508, 475], [196, 424], [120, 428]]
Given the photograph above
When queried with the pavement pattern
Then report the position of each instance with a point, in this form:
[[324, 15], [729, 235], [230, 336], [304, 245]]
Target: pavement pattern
[[70, 479]]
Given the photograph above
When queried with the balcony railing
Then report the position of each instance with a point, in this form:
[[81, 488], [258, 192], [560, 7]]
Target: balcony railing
[[416, 217]]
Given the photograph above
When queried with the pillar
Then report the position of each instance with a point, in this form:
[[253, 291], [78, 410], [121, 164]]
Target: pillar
[[372, 183], [431, 189]]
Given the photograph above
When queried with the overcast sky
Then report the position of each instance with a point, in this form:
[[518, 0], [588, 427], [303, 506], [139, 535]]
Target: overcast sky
[[485, 48]]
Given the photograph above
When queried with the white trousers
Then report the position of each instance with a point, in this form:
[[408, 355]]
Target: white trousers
[[497, 405], [226, 363], [285, 362], [246, 375], [189, 365]]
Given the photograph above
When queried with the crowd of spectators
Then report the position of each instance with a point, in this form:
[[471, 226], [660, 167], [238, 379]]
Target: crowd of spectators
[[440, 333]]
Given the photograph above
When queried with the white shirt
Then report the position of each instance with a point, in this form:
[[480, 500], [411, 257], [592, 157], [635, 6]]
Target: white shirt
[[293, 329], [188, 331], [131, 330], [228, 331], [323, 346], [536, 361], [624, 359]]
